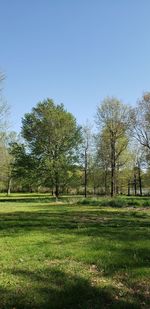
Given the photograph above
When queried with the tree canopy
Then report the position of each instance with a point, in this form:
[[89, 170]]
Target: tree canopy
[[113, 117], [52, 136]]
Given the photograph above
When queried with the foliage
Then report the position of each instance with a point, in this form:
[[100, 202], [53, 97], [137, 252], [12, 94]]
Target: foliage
[[57, 155], [141, 120], [86, 153], [23, 167], [113, 117], [52, 136]]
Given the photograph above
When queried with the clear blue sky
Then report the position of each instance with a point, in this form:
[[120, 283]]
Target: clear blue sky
[[75, 52]]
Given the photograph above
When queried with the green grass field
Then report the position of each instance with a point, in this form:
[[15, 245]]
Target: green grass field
[[88, 255]]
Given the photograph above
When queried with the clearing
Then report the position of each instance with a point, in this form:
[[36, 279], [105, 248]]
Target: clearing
[[71, 255]]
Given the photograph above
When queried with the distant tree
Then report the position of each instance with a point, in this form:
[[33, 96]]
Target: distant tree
[[140, 165], [52, 136], [87, 140], [23, 166], [4, 110], [141, 120], [103, 159], [4, 154], [2, 77], [6, 160], [114, 117]]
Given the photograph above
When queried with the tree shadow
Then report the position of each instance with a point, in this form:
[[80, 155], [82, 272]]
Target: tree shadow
[[33, 199], [91, 223], [101, 229], [52, 288]]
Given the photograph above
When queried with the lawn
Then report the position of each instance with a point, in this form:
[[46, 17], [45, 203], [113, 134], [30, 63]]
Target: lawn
[[67, 255]]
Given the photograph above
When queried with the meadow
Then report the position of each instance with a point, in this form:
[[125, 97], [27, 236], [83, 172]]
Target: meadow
[[76, 253]]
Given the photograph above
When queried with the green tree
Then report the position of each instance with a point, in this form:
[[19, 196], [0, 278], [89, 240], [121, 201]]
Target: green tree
[[23, 166], [86, 152], [103, 160], [4, 154], [52, 136], [4, 109], [114, 117], [141, 120]]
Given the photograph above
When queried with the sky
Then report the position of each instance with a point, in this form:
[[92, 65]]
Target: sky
[[75, 52]]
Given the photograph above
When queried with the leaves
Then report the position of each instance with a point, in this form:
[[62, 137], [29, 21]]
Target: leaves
[[52, 136]]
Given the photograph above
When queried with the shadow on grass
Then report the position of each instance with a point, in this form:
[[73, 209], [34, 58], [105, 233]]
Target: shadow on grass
[[37, 199], [102, 230], [28, 200], [92, 223], [54, 289], [117, 202]]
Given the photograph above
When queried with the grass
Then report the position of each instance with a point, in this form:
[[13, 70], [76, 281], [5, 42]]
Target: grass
[[89, 254], [117, 201]]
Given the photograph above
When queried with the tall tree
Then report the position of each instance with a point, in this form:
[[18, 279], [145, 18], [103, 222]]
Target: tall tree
[[23, 166], [7, 158], [2, 77], [114, 117], [87, 140], [4, 154], [103, 158], [141, 120], [4, 109], [52, 136]]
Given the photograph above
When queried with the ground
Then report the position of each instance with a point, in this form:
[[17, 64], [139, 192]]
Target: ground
[[73, 254]]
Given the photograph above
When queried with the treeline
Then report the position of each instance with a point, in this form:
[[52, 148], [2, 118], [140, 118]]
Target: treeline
[[53, 153]]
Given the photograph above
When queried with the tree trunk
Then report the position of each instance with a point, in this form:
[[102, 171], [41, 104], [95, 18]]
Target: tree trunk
[[85, 174], [117, 180], [140, 179], [112, 180], [129, 188], [9, 186], [112, 168], [140, 184], [135, 185], [105, 182], [56, 185], [56, 191]]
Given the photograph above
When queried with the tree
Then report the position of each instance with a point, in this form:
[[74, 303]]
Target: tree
[[139, 168], [114, 117], [23, 166], [86, 151], [4, 154], [52, 136], [7, 158], [103, 161], [141, 120], [4, 109], [2, 77]]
